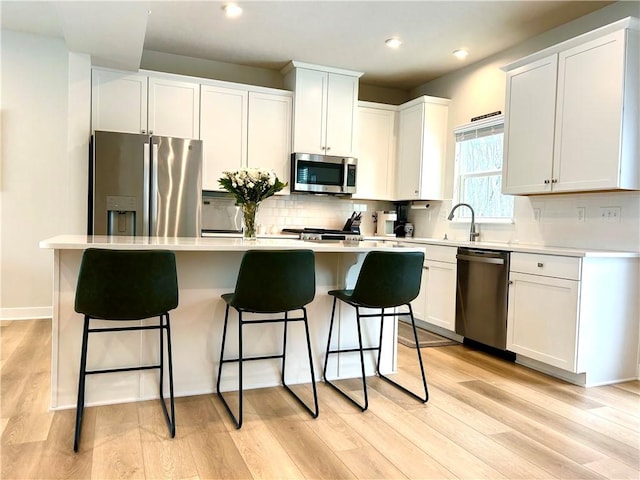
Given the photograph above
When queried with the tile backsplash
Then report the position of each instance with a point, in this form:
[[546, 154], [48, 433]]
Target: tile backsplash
[[302, 210]]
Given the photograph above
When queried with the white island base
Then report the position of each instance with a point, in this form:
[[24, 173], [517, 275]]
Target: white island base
[[207, 268]]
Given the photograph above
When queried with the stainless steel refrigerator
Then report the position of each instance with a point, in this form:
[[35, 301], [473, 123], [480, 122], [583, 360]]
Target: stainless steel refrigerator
[[144, 185]]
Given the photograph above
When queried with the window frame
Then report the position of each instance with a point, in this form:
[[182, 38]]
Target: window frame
[[471, 130]]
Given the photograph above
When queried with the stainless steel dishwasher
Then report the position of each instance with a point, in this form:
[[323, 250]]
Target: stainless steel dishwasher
[[481, 298]]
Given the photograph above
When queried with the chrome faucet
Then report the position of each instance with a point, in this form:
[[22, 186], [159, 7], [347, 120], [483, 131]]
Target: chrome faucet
[[472, 231]]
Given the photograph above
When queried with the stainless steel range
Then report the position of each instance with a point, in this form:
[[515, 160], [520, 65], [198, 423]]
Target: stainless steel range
[[322, 234]]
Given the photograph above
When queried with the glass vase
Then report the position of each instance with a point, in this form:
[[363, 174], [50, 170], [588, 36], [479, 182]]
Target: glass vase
[[249, 210]]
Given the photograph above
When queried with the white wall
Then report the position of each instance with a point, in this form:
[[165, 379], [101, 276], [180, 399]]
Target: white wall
[[44, 92], [479, 89]]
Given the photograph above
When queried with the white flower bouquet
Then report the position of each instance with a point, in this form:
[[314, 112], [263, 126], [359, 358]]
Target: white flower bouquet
[[251, 184]]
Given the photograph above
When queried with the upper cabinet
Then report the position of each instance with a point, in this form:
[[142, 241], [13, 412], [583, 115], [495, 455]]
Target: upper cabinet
[[269, 134], [118, 101], [571, 120], [242, 128], [325, 108], [223, 130], [376, 151], [422, 140], [139, 103], [174, 108]]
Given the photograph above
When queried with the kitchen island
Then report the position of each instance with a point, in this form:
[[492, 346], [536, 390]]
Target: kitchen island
[[207, 268]]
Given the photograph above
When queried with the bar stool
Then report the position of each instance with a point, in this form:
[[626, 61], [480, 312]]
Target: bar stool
[[126, 285], [386, 280], [270, 282]]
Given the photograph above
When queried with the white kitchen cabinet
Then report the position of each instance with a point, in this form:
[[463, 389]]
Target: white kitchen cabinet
[[576, 318], [571, 119], [529, 127], [174, 108], [269, 133], [436, 303], [223, 131], [142, 103], [118, 101], [325, 108], [422, 139], [376, 151]]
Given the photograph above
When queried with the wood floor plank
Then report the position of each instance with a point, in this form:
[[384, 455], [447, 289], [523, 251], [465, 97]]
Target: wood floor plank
[[453, 457], [554, 461], [311, 455], [587, 437], [611, 468], [216, 455]]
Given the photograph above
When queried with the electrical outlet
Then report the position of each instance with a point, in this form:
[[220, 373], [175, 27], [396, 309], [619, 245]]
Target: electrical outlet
[[610, 214], [536, 214], [581, 214]]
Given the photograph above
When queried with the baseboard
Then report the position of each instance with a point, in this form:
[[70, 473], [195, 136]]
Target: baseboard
[[25, 313]]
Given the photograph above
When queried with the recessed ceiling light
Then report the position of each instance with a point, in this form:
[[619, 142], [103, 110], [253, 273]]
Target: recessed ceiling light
[[461, 53], [393, 42], [232, 10]]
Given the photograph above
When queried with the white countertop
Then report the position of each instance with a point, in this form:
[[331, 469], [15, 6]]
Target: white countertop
[[234, 242], [517, 247], [210, 244]]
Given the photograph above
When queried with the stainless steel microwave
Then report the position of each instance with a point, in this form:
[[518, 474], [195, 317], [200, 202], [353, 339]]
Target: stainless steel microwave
[[323, 174]]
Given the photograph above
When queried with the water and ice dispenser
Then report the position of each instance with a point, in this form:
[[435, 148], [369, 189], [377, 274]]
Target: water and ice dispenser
[[121, 215]]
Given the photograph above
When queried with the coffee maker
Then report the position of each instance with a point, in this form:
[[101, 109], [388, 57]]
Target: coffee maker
[[402, 214]]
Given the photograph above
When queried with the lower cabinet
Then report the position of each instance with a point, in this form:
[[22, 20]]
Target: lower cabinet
[[436, 303], [576, 314]]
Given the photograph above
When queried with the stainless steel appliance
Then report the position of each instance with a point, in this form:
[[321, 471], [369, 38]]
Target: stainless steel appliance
[[324, 234], [144, 185], [481, 299], [323, 174], [220, 215], [385, 223]]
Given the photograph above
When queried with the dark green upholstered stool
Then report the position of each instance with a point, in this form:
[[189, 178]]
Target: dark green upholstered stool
[[270, 282], [126, 285], [386, 280]]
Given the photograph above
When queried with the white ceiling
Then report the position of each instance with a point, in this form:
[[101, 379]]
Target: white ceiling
[[344, 34]]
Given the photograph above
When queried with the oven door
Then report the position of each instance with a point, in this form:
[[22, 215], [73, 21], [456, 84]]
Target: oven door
[[323, 174]]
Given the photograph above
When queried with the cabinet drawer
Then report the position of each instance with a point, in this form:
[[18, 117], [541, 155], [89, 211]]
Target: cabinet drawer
[[441, 253], [546, 265]]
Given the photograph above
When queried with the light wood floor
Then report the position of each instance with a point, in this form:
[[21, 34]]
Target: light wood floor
[[486, 418]]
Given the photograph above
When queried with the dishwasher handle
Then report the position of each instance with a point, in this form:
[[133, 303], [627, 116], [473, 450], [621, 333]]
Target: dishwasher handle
[[473, 258]]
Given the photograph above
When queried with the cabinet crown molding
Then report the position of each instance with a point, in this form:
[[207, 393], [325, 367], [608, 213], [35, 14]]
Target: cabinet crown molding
[[631, 23], [310, 66]]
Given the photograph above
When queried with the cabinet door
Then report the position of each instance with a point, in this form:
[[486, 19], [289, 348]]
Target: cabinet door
[[342, 98], [409, 160], [223, 131], [589, 116], [420, 302], [269, 144], [174, 108], [441, 294], [528, 140], [542, 321], [310, 111], [118, 101], [376, 153]]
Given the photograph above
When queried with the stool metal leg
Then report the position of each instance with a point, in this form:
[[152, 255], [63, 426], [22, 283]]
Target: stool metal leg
[[364, 405], [237, 421], [425, 398], [170, 418], [81, 381], [314, 412]]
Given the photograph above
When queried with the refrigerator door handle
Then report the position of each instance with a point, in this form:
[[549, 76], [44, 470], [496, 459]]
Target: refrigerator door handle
[[146, 179], [153, 194]]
